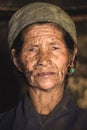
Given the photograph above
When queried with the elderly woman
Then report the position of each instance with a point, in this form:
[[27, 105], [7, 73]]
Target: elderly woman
[[43, 44]]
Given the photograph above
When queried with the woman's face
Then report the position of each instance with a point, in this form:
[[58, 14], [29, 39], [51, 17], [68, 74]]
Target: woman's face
[[44, 56]]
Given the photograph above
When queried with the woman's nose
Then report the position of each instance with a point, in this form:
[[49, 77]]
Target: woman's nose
[[44, 59]]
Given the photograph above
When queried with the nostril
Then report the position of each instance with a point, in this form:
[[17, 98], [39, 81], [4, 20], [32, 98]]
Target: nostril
[[40, 64], [44, 62]]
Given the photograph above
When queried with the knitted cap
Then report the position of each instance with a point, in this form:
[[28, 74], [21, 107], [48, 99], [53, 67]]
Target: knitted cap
[[40, 12]]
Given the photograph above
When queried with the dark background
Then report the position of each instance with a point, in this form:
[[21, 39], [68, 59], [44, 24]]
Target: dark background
[[10, 91]]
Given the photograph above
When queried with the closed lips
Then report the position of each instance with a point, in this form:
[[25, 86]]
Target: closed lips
[[45, 73]]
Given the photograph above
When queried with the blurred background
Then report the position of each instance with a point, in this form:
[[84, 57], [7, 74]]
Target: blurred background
[[10, 91]]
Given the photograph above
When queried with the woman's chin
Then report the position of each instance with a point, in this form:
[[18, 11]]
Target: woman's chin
[[46, 86]]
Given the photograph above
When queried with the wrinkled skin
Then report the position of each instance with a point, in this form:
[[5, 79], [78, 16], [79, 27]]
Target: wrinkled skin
[[44, 59], [44, 56]]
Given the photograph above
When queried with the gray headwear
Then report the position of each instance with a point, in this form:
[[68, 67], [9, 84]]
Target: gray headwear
[[40, 12]]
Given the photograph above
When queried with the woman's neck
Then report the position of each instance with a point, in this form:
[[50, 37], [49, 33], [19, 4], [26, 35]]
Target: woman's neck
[[45, 101]]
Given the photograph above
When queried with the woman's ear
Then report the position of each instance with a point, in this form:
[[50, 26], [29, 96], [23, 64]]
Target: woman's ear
[[74, 53], [16, 60], [72, 57]]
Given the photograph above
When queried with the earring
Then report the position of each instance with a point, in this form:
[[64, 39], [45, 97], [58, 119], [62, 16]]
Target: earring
[[72, 70]]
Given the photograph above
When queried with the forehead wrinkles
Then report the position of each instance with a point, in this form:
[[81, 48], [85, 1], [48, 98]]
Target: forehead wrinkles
[[41, 30], [38, 41]]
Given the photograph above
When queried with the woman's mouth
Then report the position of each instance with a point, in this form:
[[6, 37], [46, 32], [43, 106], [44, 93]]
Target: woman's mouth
[[45, 74]]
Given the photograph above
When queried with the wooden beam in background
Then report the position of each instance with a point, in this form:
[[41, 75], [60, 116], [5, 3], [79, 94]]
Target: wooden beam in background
[[76, 9], [79, 18]]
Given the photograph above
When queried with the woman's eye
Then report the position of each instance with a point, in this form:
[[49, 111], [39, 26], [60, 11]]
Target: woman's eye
[[33, 49], [55, 48]]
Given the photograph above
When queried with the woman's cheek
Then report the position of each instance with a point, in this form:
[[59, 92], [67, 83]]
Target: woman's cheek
[[63, 70], [30, 66]]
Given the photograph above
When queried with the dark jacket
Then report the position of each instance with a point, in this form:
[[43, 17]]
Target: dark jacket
[[65, 116]]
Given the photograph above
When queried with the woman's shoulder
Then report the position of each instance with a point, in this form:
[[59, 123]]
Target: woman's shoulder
[[80, 118], [6, 119], [82, 113], [7, 114]]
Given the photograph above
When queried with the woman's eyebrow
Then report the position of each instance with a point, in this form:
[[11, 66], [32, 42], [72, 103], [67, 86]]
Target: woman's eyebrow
[[32, 45], [54, 42]]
